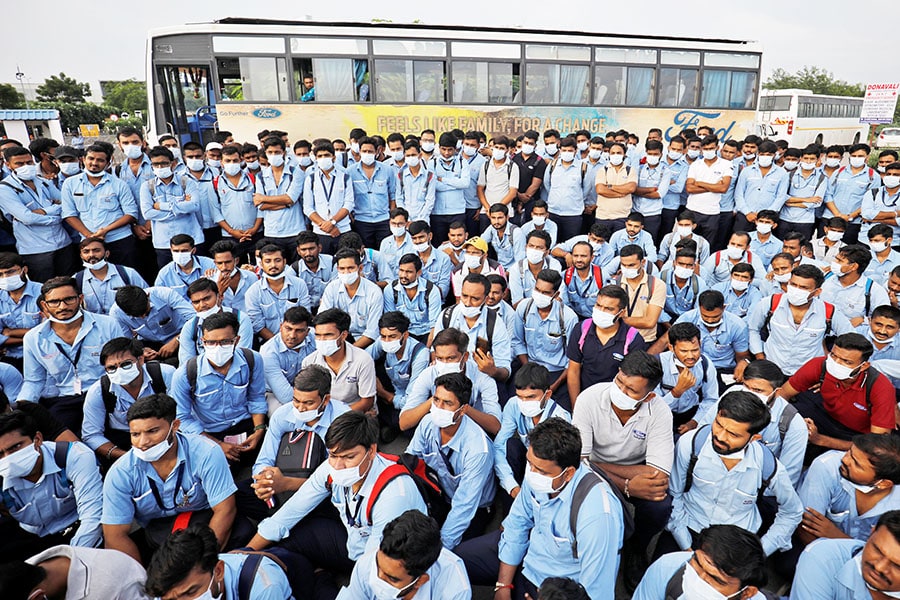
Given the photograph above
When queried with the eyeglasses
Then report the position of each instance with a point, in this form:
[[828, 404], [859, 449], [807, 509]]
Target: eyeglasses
[[125, 364], [68, 301], [213, 343]]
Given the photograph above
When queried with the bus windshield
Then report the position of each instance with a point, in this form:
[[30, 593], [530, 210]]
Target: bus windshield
[[771, 103]]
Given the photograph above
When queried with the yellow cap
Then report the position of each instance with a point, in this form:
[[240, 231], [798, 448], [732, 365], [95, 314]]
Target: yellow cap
[[477, 242]]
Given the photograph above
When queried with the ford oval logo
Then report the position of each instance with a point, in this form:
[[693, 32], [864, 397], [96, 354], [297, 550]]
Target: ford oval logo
[[266, 113]]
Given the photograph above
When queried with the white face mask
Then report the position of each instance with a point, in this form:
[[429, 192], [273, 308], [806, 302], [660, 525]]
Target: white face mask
[[305, 416], [427, 146], [71, 319], [214, 163], [412, 161], [791, 165], [764, 228], [232, 168], [621, 400], [397, 155], [367, 158], [807, 166], [472, 261], [891, 181], [527, 149], [693, 153], [154, 453], [832, 162], [20, 463], [534, 255], [176, 152], [446, 368], [605, 156], [196, 164], [603, 320], [540, 483], [124, 375], [765, 161], [398, 230], [201, 316], [423, 247], [11, 283], [551, 148], [469, 312], [132, 151], [878, 246], [253, 165], [69, 168], [567, 156], [349, 278], [837, 370], [392, 346], [630, 273], [837, 269], [470, 151], [327, 347], [275, 160], [595, 154], [305, 161], [442, 417], [782, 277], [739, 285], [582, 146], [652, 160], [498, 154], [529, 408], [734, 253], [219, 355], [710, 154], [350, 475], [162, 172], [797, 296], [539, 221], [182, 259], [834, 235], [541, 300], [326, 163], [852, 486], [675, 155], [684, 230], [354, 147], [384, 590], [695, 588], [857, 161], [616, 159]]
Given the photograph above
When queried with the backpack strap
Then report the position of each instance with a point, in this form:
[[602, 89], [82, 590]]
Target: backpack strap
[[123, 274], [60, 456], [675, 585], [629, 337], [769, 469], [216, 184], [585, 329], [584, 487], [829, 315], [869, 283], [784, 421], [447, 315], [79, 279], [773, 304], [156, 378], [491, 324], [696, 444], [388, 475], [568, 275], [871, 376], [191, 371], [248, 575]]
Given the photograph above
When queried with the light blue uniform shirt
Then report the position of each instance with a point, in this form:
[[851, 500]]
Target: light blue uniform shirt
[[484, 390], [449, 192], [190, 339], [667, 248], [10, 382], [134, 182], [738, 305], [168, 314], [326, 196], [437, 269], [501, 344], [54, 502], [602, 255], [764, 250], [464, 467], [375, 266], [790, 345], [417, 194], [877, 201], [209, 197], [830, 556], [100, 295], [34, 233], [509, 249], [656, 579], [677, 174], [565, 187], [200, 480], [284, 420], [447, 579], [590, 176], [476, 166], [801, 185], [824, 490], [537, 535], [93, 430], [881, 271], [373, 196], [619, 239], [266, 308], [413, 361], [316, 280], [542, 340], [719, 496], [290, 220], [392, 251], [397, 497], [680, 300], [235, 205], [423, 309], [720, 344], [790, 451], [704, 392], [719, 266], [652, 177], [548, 226], [22, 315], [54, 368], [848, 190], [176, 213], [581, 295], [522, 280], [237, 299], [851, 299], [173, 277], [100, 205], [755, 192], [365, 307], [269, 582], [219, 402], [515, 424], [282, 364]]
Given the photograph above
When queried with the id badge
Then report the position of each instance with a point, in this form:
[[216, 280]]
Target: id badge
[[77, 385]]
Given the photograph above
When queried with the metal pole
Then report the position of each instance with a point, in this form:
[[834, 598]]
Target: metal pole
[[21, 77]]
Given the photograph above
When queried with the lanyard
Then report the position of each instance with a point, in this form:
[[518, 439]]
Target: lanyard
[[158, 497], [329, 189], [74, 361], [637, 295], [352, 520], [885, 200], [446, 459]]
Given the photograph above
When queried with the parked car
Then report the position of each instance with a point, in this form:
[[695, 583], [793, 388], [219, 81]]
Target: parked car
[[889, 137]]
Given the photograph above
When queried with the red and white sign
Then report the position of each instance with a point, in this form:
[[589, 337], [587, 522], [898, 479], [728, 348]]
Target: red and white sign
[[879, 103]]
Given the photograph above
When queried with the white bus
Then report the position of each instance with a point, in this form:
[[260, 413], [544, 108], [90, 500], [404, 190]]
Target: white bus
[[246, 75], [801, 117]]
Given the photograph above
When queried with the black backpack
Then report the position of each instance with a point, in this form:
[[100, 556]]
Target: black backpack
[[584, 487], [769, 466], [300, 452], [109, 399], [191, 367], [123, 275], [490, 325]]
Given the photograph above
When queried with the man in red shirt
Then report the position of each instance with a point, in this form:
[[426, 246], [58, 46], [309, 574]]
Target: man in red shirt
[[851, 398]]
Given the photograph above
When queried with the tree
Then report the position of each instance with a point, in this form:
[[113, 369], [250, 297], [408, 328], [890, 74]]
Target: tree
[[819, 80], [128, 95], [10, 97], [63, 88]]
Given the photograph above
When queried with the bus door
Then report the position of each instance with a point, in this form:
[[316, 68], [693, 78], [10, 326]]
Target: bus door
[[188, 102]]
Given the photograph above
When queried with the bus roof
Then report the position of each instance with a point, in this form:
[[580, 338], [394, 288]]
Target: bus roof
[[799, 92], [751, 46]]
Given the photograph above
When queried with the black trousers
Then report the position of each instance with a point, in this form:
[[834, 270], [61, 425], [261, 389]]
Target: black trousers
[[69, 410], [726, 227], [373, 233], [17, 544], [652, 225], [810, 406], [667, 224], [567, 227], [483, 565], [807, 229], [46, 265], [707, 225], [123, 252], [742, 224], [440, 227]]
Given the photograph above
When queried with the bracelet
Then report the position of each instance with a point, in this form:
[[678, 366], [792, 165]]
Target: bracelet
[[627, 495], [260, 427], [502, 586], [110, 451]]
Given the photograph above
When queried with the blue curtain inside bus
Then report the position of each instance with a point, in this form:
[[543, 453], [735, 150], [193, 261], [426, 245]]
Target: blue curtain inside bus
[[742, 88], [716, 88], [640, 87], [573, 84]]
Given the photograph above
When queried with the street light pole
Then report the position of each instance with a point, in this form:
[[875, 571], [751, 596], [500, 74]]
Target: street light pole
[[21, 77]]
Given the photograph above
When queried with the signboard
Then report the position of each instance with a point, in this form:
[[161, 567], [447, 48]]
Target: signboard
[[879, 103], [89, 131], [311, 120]]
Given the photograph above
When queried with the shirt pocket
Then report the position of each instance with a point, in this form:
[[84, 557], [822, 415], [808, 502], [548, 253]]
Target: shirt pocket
[[742, 501], [145, 505]]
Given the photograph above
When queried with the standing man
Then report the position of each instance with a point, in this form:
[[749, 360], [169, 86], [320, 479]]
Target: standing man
[[451, 173], [848, 187], [327, 198], [277, 196], [564, 186], [374, 193], [761, 186], [615, 184], [707, 180]]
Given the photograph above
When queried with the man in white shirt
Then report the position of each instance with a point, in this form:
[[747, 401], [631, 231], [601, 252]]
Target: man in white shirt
[[707, 180]]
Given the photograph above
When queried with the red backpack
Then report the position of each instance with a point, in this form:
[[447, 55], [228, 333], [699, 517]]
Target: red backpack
[[598, 275]]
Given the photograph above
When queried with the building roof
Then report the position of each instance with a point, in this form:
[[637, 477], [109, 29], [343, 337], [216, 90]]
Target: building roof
[[41, 114]]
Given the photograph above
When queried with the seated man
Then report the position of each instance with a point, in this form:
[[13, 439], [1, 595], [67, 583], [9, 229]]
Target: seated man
[[186, 267], [724, 337], [646, 292], [352, 370], [720, 473], [719, 264], [100, 280], [417, 297], [524, 272], [165, 474], [436, 265], [222, 392], [52, 489], [277, 290], [729, 562], [347, 479], [740, 293], [856, 568], [583, 281], [533, 404], [559, 491], [19, 309], [853, 294], [404, 359], [128, 376], [232, 281], [459, 451], [685, 229], [409, 560], [451, 355], [293, 446], [689, 384], [375, 267], [355, 295], [205, 299], [853, 397], [283, 354], [313, 267], [155, 316], [74, 572], [399, 243], [626, 430], [474, 260]]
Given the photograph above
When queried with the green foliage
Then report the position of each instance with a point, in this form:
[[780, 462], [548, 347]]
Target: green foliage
[[111, 126], [71, 114], [63, 88], [10, 97], [128, 95], [820, 81]]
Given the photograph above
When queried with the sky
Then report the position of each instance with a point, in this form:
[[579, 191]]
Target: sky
[[105, 39]]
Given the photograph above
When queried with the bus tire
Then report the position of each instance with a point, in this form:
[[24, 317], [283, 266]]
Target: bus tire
[[856, 138]]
